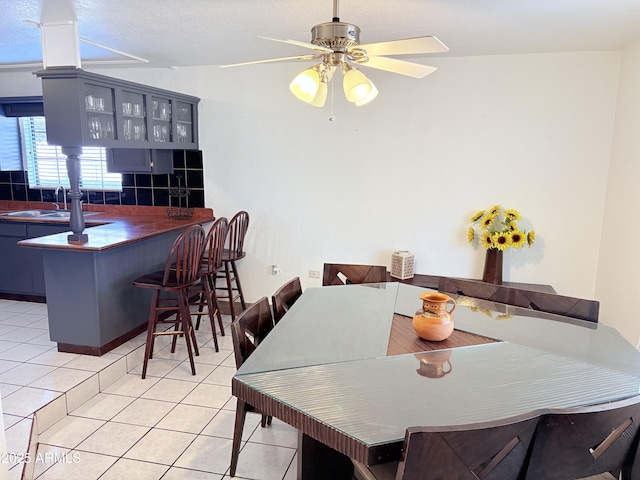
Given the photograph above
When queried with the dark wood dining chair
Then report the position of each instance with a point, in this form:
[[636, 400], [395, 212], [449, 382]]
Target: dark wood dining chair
[[285, 297], [233, 251], [585, 442], [204, 293], [579, 308], [181, 272], [353, 274], [487, 451], [251, 327]]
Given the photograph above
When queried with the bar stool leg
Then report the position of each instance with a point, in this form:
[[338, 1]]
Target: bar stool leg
[[214, 298], [189, 336], [239, 287], [212, 307], [151, 327], [229, 280]]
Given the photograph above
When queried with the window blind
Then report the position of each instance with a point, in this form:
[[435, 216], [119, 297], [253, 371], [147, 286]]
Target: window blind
[[46, 164]]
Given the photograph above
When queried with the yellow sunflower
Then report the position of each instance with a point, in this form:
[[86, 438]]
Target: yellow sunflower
[[518, 239], [487, 240], [495, 210], [471, 234], [531, 237], [512, 227], [501, 240], [488, 219], [512, 214], [477, 216]]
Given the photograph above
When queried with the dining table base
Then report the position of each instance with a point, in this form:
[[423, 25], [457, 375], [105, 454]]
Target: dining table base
[[317, 461]]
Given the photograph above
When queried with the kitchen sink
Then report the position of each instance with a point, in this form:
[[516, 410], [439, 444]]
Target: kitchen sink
[[28, 213], [44, 214]]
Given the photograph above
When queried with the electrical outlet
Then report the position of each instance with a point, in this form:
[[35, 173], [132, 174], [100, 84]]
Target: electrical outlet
[[314, 274]]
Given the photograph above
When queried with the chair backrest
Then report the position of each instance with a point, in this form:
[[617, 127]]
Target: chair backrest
[[544, 302], [586, 441], [491, 450], [183, 263], [214, 245], [353, 274], [285, 297], [250, 328], [236, 231]]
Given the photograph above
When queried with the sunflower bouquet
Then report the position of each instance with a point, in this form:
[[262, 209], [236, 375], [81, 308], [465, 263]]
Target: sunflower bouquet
[[498, 228]]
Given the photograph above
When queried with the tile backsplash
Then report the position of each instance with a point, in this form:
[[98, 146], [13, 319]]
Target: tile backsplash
[[137, 188]]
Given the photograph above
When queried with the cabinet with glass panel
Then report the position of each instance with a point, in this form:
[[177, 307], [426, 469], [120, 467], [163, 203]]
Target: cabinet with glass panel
[[86, 109]]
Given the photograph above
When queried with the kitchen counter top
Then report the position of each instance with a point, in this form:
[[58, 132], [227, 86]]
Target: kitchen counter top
[[109, 227], [96, 307]]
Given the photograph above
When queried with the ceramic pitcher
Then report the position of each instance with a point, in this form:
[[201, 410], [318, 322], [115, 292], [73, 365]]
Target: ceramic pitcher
[[433, 321]]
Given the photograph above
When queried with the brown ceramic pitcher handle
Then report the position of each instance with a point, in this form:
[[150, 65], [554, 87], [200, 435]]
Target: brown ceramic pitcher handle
[[454, 305]]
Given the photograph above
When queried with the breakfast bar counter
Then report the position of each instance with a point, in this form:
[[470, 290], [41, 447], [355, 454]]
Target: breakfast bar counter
[[91, 303]]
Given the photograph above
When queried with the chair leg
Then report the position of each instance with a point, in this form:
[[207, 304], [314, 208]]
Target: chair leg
[[151, 327], [239, 287], [265, 420], [183, 303], [241, 414], [212, 310]]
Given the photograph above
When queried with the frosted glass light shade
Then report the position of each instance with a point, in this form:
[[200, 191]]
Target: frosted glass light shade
[[305, 85], [356, 86], [373, 94], [321, 95]]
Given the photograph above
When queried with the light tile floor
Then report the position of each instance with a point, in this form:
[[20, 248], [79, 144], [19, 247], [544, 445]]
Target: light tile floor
[[95, 418]]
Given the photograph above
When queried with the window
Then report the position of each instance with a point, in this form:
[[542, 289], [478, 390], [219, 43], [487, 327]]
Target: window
[[47, 167]]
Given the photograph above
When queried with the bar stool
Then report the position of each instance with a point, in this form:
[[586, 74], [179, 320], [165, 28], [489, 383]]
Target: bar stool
[[204, 293], [181, 272], [236, 231]]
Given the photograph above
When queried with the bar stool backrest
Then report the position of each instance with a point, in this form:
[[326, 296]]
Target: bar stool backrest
[[236, 231], [183, 263], [214, 246]]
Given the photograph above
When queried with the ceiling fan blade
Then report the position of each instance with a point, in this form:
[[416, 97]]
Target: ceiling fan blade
[[410, 69], [317, 48], [283, 59], [407, 46]]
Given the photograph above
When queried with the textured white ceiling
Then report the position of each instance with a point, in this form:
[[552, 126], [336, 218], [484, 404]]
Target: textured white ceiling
[[215, 32]]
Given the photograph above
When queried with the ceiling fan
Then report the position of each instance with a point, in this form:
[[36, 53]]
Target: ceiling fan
[[337, 45]]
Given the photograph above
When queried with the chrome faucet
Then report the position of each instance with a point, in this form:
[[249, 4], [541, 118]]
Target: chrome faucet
[[64, 195]]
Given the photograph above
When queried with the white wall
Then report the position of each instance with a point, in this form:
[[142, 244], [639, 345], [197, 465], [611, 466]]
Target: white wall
[[531, 132], [618, 280]]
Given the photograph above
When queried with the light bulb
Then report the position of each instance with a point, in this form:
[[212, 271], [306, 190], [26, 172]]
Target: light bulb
[[372, 94]]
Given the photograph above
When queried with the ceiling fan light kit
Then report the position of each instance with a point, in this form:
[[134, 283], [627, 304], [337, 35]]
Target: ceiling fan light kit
[[306, 84], [356, 85], [337, 45]]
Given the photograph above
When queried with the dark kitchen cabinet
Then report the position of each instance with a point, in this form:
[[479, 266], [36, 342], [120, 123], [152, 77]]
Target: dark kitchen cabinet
[[86, 109], [22, 268], [131, 160]]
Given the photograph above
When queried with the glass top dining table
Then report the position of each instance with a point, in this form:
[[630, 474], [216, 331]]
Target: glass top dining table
[[324, 369]]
